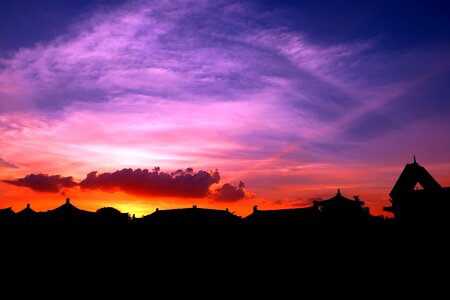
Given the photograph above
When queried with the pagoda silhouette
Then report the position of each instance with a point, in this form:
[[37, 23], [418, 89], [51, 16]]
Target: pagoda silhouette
[[69, 215]]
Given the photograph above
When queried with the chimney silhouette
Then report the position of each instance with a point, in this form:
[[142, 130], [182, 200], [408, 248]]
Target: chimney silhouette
[[28, 205], [67, 200]]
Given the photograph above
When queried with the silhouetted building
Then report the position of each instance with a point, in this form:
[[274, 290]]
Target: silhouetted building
[[342, 210], [68, 214], [193, 216], [409, 204], [6, 212], [6, 215], [305, 216], [27, 212], [336, 210], [27, 215]]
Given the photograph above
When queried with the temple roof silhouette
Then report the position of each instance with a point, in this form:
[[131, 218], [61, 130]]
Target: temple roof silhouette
[[336, 206], [286, 212], [300, 215], [342, 210], [430, 204], [191, 215], [68, 209], [6, 212], [338, 200], [412, 174], [27, 212]]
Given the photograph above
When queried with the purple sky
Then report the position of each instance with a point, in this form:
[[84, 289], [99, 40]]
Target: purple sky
[[289, 98]]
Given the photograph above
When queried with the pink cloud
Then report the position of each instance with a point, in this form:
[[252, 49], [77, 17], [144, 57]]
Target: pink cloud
[[229, 192], [6, 164]]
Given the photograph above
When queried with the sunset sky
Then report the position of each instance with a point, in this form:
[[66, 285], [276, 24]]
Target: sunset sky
[[141, 105]]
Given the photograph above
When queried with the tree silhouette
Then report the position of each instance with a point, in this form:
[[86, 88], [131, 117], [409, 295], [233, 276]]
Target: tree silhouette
[[108, 211]]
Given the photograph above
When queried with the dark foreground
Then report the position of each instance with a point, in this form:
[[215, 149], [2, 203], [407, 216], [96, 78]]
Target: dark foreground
[[222, 262]]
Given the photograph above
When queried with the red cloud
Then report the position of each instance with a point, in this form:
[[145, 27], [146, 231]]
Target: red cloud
[[182, 183], [44, 182], [229, 193], [142, 182]]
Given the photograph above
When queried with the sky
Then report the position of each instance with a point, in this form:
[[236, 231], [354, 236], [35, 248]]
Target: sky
[[141, 105]]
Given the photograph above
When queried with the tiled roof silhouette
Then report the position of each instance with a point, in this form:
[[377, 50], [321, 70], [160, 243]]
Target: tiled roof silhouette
[[68, 209], [27, 212], [286, 218], [428, 205], [192, 215], [6, 212], [412, 174]]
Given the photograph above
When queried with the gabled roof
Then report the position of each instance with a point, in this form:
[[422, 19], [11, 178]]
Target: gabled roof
[[281, 213], [6, 211], [69, 209], [412, 174], [27, 211], [338, 199], [288, 216], [192, 213]]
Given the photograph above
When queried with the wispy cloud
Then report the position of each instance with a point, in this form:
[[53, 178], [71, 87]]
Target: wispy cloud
[[6, 164], [44, 183]]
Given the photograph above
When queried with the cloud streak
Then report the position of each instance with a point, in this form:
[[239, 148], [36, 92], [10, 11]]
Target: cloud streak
[[6, 164], [165, 53], [44, 183]]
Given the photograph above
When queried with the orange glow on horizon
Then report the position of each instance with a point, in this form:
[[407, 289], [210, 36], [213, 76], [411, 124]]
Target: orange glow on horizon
[[373, 189], [140, 206]]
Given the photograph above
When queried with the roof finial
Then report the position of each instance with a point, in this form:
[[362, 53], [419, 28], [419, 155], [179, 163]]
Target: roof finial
[[67, 200], [339, 191], [415, 159]]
